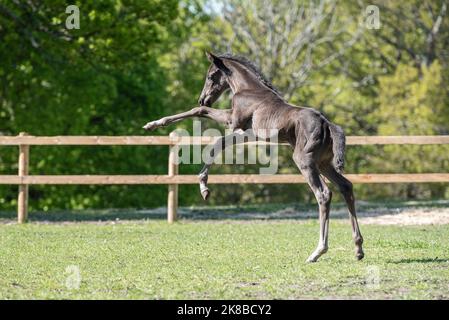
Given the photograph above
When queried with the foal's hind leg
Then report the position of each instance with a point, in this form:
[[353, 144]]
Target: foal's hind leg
[[345, 187], [323, 195]]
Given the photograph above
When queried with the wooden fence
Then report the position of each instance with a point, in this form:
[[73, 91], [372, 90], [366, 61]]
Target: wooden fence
[[173, 179]]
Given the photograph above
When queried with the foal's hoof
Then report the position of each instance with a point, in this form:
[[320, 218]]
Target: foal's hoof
[[151, 125], [205, 194], [312, 259], [316, 254]]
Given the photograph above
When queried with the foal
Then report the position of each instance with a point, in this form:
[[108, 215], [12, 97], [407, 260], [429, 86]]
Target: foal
[[318, 144]]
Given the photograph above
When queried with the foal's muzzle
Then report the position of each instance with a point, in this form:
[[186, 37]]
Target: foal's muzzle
[[204, 101]]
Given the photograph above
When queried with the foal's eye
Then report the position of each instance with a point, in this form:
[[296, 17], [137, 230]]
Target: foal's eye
[[214, 76]]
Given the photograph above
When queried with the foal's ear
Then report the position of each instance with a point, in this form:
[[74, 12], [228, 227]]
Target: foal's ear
[[210, 56], [218, 62]]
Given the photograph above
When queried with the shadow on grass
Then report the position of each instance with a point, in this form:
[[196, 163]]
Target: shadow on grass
[[292, 211], [423, 260]]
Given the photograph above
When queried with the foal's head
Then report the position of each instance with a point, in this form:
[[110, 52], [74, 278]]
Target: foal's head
[[215, 83], [243, 76]]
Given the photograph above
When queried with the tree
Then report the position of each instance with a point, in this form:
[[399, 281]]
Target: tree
[[290, 40], [414, 102], [105, 78]]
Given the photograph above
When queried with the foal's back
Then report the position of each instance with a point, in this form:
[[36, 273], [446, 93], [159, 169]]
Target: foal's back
[[293, 123]]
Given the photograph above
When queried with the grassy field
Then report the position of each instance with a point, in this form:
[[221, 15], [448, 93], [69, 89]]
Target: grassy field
[[197, 259]]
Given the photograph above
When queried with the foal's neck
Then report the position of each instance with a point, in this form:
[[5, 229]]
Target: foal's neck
[[243, 79]]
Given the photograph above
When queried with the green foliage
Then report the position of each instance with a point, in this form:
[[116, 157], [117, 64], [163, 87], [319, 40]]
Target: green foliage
[[413, 102], [104, 79]]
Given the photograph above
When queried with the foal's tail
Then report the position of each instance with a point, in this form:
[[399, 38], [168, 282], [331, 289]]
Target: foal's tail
[[338, 146]]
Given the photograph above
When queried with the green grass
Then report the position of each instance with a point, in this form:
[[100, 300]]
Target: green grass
[[215, 260]]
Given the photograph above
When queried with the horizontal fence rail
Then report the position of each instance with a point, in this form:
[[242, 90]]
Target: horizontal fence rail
[[214, 179], [173, 179], [173, 140]]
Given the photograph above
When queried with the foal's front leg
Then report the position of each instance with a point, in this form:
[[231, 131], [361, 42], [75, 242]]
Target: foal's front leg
[[221, 144], [221, 116]]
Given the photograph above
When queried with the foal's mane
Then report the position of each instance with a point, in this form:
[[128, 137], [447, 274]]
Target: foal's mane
[[252, 67]]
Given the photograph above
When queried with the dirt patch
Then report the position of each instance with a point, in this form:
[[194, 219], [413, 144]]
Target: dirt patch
[[407, 213], [392, 216], [367, 215], [427, 216], [379, 215]]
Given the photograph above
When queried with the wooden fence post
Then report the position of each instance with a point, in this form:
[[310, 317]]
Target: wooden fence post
[[22, 200], [172, 205]]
